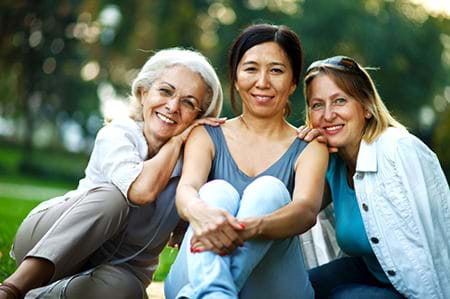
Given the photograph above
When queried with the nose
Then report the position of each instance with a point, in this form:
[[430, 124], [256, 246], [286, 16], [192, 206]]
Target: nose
[[173, 105], [263, 80], [329, 113]]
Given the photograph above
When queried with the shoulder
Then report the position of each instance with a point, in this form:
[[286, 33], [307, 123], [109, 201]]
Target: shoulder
[[122, 131], [314, 151], [394, 141]]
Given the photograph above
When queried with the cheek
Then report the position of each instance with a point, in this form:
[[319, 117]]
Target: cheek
[[314, 118]]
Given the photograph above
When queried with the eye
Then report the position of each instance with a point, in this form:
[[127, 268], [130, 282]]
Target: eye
[[188, 104], [339, 101], [250, 69], [316, 106], [277, 70], [165, 91]]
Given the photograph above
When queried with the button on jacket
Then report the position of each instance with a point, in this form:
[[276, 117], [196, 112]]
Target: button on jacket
[[404, 199]]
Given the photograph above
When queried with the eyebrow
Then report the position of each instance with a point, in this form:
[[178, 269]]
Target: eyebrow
[[174, 88], [272, 63]]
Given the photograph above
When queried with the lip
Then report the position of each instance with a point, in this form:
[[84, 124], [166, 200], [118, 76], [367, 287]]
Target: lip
[[332, 130], [165, 119], [262, 99]]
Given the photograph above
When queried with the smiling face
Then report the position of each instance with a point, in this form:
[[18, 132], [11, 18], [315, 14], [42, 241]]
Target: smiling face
[[264, 80], [172, 103], [339, 116]]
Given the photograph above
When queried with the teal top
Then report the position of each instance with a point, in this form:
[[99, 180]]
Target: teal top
[[350, 232], [224, 167]]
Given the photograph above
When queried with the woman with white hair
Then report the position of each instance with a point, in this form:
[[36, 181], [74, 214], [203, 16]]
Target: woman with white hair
[[103, 239]]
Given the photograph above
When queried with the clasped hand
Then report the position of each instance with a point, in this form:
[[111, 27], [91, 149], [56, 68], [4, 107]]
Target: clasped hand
[[217, 230]]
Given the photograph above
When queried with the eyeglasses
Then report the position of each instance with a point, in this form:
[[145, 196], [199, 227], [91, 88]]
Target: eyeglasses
[[187, 104], [342, 63]]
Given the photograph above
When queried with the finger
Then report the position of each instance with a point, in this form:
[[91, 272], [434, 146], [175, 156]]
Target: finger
[[234, 237], [212, 120], [312, 134], [301, 128], [235, 224]]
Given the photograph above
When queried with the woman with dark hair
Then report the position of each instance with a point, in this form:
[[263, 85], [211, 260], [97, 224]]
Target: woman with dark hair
[[390, 195], [103, 239], [250, 187]]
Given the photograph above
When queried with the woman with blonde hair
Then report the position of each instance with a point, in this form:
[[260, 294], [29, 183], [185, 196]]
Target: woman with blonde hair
[[390, 195]]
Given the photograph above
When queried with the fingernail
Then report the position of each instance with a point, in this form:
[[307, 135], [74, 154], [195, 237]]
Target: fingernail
[[242, 225], [222, 254], [195, 250]]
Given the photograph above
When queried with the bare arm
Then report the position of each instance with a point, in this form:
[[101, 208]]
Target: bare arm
[[213, 227], [299, 215], [157, 170]]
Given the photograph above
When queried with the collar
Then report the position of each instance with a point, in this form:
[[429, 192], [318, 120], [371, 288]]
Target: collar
[[367, 157]]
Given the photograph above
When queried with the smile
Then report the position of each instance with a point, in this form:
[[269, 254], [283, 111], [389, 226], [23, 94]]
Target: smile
[[333, 128], [165, 119], [262, 98]]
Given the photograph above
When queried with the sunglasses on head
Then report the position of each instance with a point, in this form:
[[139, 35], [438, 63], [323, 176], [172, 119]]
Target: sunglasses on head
[[342, 63]]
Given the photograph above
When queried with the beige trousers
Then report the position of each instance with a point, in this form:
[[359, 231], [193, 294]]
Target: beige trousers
[[68, 234]]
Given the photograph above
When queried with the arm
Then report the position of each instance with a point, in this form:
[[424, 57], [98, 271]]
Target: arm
[[157, 170], [212, 227], [299, 215]]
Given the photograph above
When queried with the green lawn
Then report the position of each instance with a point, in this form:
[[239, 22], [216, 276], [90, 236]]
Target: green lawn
[[13, 211], [46, 173]]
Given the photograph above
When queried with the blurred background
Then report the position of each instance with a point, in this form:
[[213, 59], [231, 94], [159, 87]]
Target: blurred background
[[65, 64]]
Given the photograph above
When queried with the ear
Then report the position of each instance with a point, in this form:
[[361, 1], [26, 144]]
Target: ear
[[142, 94], [292, 88], [367, 114], [236, 86]]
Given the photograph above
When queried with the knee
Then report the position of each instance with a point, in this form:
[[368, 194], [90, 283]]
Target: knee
[[220, 193], [264, 195], [113, 205]]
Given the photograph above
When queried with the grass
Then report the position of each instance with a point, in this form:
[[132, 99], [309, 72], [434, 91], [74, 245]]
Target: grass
[[13, 211], [46, 174]]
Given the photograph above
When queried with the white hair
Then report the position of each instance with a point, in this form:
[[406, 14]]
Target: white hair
[[163, 59]]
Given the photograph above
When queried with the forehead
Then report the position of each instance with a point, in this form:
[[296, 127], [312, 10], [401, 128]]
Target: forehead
[[323, 83], [184, 80], [267, 52]]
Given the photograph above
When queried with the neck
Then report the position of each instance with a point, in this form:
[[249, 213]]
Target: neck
[[263, 126], [350, 154], [153, 143]]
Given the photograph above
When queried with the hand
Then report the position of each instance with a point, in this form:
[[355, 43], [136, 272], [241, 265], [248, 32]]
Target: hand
[[309, 134], [212, 121], [214, 229]]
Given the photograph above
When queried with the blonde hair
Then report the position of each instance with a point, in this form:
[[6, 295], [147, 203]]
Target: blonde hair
[[164, 59], [362, 88]]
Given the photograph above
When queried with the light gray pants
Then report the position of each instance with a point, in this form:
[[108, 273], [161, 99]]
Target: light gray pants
[[69, 234]]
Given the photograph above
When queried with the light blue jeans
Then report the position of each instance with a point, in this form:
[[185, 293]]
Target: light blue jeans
[[259, 269]]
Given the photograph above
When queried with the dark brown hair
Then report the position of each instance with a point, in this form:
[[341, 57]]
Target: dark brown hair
[[262, 33]]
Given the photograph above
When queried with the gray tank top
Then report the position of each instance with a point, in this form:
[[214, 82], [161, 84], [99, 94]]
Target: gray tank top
[[224, 167]]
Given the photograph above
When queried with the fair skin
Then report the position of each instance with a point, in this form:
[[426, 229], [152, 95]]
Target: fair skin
[[340, 118], [264, 82], [167, 124]]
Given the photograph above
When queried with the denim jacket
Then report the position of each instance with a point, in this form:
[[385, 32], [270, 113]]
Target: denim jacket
[[404, 199]]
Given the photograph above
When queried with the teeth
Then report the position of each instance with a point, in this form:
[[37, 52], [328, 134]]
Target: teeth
[[165, 119], [263, 97], [334, 128]]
